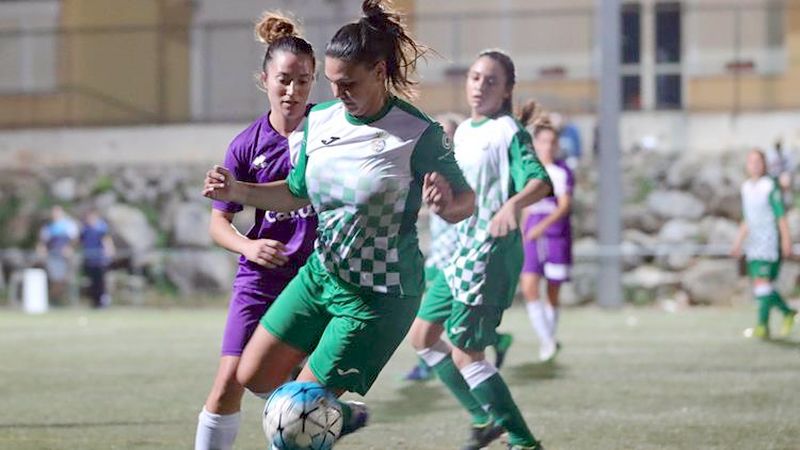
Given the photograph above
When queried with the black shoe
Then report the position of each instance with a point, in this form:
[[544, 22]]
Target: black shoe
[[480, 437]]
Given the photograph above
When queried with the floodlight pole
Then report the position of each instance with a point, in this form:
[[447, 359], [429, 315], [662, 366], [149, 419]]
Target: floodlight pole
[[609, 211]]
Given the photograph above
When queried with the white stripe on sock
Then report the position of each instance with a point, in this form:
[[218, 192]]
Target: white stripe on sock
[[434, 354], [477, 372]]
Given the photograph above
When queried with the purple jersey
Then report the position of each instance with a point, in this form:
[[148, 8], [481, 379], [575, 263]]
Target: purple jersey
[[563, 184], [259, 154]]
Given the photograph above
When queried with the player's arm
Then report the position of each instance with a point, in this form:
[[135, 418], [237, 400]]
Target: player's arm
[[779, 210], [736, 251], [530, 181], [439, 196], [273, 196], [444, 188], [265, 252]]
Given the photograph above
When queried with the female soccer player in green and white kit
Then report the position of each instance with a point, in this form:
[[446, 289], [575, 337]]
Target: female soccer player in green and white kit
[[468, 298], [366, 163], [768, 240]]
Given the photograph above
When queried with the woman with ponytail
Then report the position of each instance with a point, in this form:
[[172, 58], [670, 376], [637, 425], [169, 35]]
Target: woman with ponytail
[[366, 162], [278, 243], [468, 297], [547, 236]]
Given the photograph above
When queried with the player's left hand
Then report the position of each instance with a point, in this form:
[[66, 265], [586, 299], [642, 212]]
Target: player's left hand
[[436, 192], [505, 221]]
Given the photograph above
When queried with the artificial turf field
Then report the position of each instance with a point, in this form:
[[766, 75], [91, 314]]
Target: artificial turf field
[[631, 379]]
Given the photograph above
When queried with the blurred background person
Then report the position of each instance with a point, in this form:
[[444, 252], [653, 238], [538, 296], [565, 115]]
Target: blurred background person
[[56, 247], [98, 249]]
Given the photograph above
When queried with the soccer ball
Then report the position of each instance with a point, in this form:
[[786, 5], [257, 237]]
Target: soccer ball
[[302, 416]]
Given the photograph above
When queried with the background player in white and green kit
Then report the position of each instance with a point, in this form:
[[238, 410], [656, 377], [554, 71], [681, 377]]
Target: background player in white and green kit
[[366, 162], [765, 234], [478, 283]]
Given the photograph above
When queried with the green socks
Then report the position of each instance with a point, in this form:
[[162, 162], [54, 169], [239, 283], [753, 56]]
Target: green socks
[[451, 377]]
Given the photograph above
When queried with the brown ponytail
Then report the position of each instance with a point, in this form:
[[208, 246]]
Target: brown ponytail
[[380, 35]]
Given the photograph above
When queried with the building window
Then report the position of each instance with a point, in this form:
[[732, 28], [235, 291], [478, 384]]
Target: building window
[[668, 32], [631, 92], [631, 34], [668, 91]]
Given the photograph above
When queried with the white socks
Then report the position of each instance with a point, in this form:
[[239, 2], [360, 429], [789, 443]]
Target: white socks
[[216, 431], [434, 354], [537, 312], [477, 372]]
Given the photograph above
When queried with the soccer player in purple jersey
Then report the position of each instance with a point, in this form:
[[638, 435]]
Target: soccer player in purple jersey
[[279, 242], [548, 239]]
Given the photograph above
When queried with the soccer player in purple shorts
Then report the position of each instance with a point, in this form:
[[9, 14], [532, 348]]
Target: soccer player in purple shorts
[[278, 243], [548, 240]]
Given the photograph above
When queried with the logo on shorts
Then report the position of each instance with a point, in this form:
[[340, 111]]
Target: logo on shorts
[[347, 372], [457, 330]]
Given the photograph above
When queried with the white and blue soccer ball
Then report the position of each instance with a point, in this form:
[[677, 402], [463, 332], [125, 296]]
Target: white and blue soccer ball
[[302, 415]]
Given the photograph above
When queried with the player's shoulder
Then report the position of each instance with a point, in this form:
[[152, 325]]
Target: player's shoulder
[[325, 110], [413, 112]]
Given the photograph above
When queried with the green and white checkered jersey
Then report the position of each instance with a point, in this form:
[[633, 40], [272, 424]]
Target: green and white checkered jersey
[[364, 178], [498, 161], [762, 206], [444, 242]]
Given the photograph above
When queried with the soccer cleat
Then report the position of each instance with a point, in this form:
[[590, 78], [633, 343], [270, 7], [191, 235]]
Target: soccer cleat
[[548, 350], [420, 372], [481, 436], [538, 446], [788, 323], [504, 341], [761, 332], [359, 416]]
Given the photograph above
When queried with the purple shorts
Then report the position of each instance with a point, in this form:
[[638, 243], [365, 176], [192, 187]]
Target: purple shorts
[[549, 256], [245, 310]]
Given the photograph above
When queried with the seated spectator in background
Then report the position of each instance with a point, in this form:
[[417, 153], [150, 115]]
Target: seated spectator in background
[[98, 249], [57, 247]]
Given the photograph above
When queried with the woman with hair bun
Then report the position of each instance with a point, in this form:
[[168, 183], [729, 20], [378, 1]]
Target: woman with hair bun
[[278, 243], [367, 161]]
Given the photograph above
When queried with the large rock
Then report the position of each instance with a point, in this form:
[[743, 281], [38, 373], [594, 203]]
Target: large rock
[[719, 233], [64, 189], [639, 217], [190, 227], [788, 279], [583, 285], [679, 231], [194, 271], [675, 205], [649, 277], [130, 228], [714, 281], [682, 172]]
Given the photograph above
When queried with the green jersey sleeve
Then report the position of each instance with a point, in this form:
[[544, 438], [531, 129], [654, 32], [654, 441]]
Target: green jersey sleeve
[[297, 176], [524, 165], [776, 200], [434, 153]]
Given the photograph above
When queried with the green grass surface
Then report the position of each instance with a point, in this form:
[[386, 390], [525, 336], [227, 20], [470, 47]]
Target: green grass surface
[[635, 379]]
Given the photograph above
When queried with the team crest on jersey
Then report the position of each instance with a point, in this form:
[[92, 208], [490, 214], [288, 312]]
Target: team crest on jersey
[[260, 162], [379, 142]]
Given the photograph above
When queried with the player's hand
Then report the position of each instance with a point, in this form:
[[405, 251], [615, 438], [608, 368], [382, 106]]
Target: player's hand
[[266, 253], [219, 184], [505, 220], [436, 192], [534, 233]]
